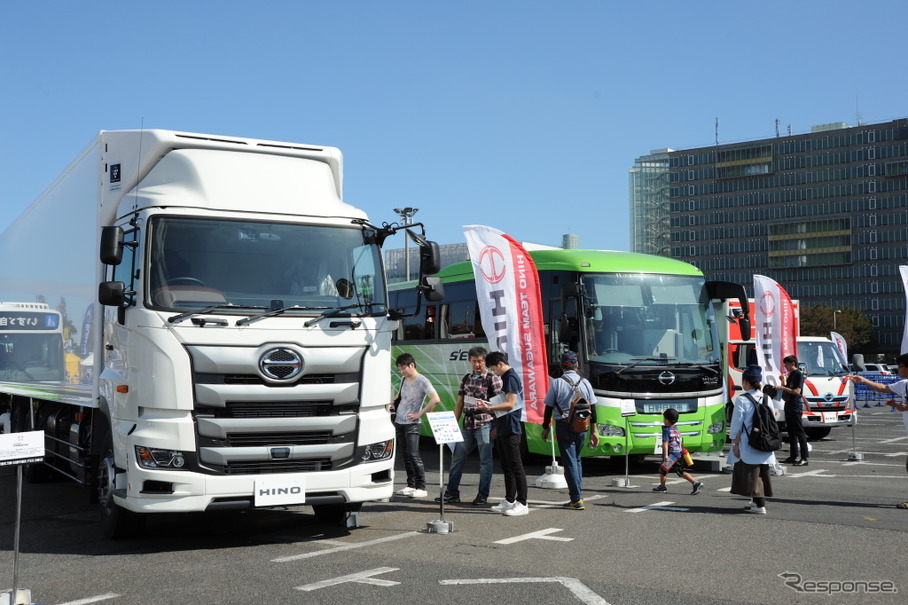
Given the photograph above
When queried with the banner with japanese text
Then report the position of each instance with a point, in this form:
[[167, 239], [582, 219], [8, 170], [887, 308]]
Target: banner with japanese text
[[510, 308], [776, 327], [903, 271]]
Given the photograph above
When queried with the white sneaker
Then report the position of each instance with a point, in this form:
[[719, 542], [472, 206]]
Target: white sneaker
[[758, 510], [502, 506], [405, 491], [517, 510], [419, 493], [750, 504]]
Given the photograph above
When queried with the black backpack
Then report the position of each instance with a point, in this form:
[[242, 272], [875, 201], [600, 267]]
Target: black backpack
[[581, 411], [765, 435]]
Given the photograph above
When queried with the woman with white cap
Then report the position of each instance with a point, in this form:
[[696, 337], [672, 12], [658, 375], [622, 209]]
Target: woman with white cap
[[751, 472]]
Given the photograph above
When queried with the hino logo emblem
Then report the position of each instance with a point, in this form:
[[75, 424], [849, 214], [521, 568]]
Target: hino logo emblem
[[281, 364], [828, 396], [666, 378]]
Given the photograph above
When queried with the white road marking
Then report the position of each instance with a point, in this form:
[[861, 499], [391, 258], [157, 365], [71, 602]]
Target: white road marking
[[102, 597], [345, 546], [363, 577], [577, 588], [656, 506], [542, 534], [815, 473]]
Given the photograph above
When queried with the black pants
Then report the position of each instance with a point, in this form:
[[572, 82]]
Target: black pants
[[515, 478], [796, 435]]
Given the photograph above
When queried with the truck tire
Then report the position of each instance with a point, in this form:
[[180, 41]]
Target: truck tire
[[335, 514], [815, 434], [117, 522]]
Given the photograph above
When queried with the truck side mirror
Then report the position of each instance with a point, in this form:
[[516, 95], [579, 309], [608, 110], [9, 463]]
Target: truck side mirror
[[857, 360], [433, 289], [429, 259], [111, 245], [112, 293]]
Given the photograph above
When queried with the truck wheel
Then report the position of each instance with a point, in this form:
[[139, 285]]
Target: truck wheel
[[334, 514], [818, 433], [117, 522]]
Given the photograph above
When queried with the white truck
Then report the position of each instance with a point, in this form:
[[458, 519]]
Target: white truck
[[827, 391], [224, 322]]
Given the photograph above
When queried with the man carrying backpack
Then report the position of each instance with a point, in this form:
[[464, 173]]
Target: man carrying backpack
[[566, 394]]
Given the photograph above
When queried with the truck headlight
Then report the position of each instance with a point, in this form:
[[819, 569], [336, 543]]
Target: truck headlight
[[378, 451], [715, 428], [610, 430], [149, 457]]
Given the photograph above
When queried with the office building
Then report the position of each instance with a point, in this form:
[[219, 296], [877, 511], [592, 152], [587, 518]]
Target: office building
[[823, 213]]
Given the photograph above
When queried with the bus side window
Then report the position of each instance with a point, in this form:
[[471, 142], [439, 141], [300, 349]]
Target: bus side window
[[463, 320]]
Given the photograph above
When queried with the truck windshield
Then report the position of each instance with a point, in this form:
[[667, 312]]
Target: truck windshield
[[820, 358], [644, 319], [196, 263]]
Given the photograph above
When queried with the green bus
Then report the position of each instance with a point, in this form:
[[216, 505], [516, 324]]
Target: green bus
[[644, 329]]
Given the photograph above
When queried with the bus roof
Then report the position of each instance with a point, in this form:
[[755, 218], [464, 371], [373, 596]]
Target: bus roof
[[587, 261]]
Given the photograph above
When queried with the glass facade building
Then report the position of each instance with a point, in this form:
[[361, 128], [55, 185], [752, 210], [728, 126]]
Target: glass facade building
[[825, 214], [649, 209]]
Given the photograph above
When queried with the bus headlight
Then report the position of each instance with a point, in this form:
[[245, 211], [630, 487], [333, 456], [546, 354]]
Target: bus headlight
[[716, 428], [610, 430], [150, 457], [378, 451]]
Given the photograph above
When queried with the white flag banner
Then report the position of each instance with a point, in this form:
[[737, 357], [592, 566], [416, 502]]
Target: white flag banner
[[776, 327], [903, 270], [840, 344], [510, 307]]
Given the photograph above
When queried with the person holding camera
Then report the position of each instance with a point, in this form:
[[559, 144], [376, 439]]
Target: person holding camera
[[479, 385], [558, 401]]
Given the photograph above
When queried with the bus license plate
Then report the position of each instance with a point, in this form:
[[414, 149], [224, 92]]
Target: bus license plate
[[280, 491]]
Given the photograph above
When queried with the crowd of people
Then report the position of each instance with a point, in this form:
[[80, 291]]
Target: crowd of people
[[491, 407]]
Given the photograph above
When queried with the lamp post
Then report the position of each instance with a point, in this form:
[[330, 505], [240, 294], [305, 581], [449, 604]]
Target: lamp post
[[834, 315], [406, 217]]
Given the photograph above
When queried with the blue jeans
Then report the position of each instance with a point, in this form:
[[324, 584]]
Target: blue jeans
[[472, 439], [408, 442], [571, 444]]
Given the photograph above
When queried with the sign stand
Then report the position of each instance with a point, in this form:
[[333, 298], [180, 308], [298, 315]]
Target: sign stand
[[19, 449], [553, 478], [628, 409], [445, 429]]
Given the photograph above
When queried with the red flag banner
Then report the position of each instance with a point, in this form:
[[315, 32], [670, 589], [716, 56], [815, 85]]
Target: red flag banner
[[776, 326], [510, 307]]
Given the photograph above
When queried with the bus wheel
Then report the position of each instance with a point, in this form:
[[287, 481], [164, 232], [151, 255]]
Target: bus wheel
[[818, 433], [335, 514], [636, 459], [117, 523]]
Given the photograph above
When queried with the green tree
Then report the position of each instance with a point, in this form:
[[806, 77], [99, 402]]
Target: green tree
[[850, 322]]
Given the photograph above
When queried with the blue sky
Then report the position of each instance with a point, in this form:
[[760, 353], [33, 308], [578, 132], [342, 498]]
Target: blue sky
[[524, 116]]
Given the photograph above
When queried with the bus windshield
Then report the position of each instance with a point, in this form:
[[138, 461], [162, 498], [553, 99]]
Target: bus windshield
[[646, 319], [235, 266]]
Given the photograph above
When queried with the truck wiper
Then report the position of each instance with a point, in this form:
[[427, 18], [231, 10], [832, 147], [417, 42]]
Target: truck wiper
[[204, 311], [272, 313], [339, 310], [640, 360]]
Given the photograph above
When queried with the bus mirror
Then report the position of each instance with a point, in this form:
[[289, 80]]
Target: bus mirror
[[433, 288], [567, 329], [111, 245], [429, 258], [112, 293]]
